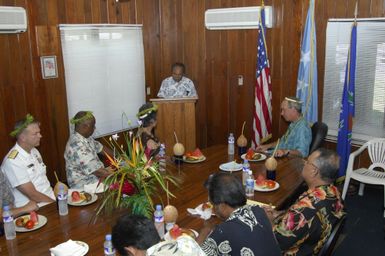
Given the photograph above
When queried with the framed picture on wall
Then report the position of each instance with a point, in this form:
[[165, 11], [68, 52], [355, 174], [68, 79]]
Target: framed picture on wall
[[48, 67]]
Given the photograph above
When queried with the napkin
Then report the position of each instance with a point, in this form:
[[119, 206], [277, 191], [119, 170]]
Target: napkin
[[69, 248], [94, 188], [206, 214]]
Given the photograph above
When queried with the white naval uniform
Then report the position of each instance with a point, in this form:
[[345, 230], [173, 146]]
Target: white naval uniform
[[21, 167]]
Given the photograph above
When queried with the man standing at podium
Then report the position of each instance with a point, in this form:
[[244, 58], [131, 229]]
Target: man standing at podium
[[177, 85]]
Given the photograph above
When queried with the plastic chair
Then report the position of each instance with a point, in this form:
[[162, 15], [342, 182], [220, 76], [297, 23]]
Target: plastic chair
[[328, 247], [371, 175], [319, 131]]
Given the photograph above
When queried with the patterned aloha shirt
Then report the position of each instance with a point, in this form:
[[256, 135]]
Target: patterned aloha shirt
[[307, 224], [297, 137], [246, 232], [172, 89], [81, 156], [6, 196]]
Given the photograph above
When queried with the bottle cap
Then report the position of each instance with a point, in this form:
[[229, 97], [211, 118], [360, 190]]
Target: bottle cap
[[158, 207], [250, 172], [108, 237]]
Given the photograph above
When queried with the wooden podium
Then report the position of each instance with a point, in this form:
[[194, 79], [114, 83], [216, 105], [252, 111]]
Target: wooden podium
[[176, 115]]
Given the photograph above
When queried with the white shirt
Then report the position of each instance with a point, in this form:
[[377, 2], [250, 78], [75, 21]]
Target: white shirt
[[21, 167], [172, 89]]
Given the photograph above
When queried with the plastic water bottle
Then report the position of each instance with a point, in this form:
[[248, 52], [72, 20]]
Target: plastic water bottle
[[245, 171], [9, 225], [159, 220], [250, 185], [162, 158], [109, 249], [231, 144], [62, 201]]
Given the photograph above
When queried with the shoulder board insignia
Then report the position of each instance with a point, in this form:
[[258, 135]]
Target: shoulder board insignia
[[13, 154]]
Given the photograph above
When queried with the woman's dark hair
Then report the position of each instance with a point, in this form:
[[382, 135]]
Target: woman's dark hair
[[134, 230], [226, 188], [150, 116]]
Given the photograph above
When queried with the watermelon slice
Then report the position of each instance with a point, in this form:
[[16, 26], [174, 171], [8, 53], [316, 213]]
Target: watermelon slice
[[34, 217], [195, 155]]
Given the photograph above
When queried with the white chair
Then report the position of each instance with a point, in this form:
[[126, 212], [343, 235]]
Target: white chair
[[371, 175]]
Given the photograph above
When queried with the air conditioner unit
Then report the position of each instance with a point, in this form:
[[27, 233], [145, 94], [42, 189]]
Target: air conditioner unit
[[237, 18], [12, 19]]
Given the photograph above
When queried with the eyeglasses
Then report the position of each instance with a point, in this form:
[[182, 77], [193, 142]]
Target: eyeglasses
[[313, 165]]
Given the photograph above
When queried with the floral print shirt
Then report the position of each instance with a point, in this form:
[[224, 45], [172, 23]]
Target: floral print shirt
[[6, 196], [81, 156], [247, 232], [172, 89], [307, 224], [297, 137]]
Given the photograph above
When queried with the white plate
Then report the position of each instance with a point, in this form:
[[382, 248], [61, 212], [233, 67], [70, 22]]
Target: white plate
[[231, 167], [261, 189], [42, 222], [193, 161], [263, 157], [84, 202], [85, 250], [167, 236]]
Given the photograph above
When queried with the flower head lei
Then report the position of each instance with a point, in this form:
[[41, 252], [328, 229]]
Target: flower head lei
[[28, 120], [87, 116], [144, 113]]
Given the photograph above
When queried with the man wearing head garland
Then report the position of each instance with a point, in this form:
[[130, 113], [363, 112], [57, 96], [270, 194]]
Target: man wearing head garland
[[24, 168], [83, 165], [147, 118], [297, 139], [177, 85]]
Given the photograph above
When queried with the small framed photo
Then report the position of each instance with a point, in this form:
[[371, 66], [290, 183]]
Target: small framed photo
[[48, 67]]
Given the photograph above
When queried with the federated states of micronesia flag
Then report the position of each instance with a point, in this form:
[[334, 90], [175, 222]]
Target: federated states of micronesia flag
[[347, 107], [262, 127], [307, 89]]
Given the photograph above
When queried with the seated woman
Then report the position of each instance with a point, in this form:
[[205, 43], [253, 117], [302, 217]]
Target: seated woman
[[135, 235], [246, 230], [147, 117]]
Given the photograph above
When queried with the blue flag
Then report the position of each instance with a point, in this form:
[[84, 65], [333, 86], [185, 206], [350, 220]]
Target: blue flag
[[347, 107], [307, 90]]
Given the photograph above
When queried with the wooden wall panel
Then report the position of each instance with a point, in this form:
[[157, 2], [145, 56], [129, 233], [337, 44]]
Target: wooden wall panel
[[173, 30]]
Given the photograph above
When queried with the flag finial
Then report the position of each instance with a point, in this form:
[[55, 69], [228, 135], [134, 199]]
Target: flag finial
[[263, 3], [356, 11]]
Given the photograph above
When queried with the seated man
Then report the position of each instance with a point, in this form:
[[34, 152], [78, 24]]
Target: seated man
[[135, 235], [83, 165], [246, 230], [7, 198], [177, 85], [297, 139], [24, 167], [306, 225]]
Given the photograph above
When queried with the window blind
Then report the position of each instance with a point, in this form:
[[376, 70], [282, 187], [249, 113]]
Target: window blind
[[104, 73], [369, 119]]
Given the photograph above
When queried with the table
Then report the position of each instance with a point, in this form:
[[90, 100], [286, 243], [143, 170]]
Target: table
[[76, 225]]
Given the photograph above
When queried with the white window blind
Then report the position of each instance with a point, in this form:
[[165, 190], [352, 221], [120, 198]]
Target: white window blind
[[104, 73], [369, 119]]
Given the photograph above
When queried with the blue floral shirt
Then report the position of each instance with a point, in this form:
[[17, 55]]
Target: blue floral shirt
[[297, 137]]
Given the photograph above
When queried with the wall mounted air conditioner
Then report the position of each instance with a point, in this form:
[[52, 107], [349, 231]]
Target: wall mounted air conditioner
[[237, 18], [12, 19]]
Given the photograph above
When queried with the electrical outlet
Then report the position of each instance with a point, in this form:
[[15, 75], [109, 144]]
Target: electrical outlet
[[240, 80], [148, 90]]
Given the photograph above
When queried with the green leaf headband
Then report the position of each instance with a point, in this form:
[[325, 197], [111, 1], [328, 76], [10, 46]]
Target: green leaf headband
[[144, 113], [87, 116], [28, 120]]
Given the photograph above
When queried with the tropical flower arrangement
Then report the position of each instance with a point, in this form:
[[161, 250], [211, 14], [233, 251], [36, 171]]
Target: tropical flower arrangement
[[135, 179]]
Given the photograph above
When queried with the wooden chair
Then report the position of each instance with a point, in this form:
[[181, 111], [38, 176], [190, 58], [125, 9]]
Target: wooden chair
[[328, 247]]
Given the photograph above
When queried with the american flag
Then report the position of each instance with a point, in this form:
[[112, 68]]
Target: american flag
[[262, 111]]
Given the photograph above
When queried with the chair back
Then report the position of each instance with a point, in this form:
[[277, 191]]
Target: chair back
[[376, 150], [319, 131], [328, 247]]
